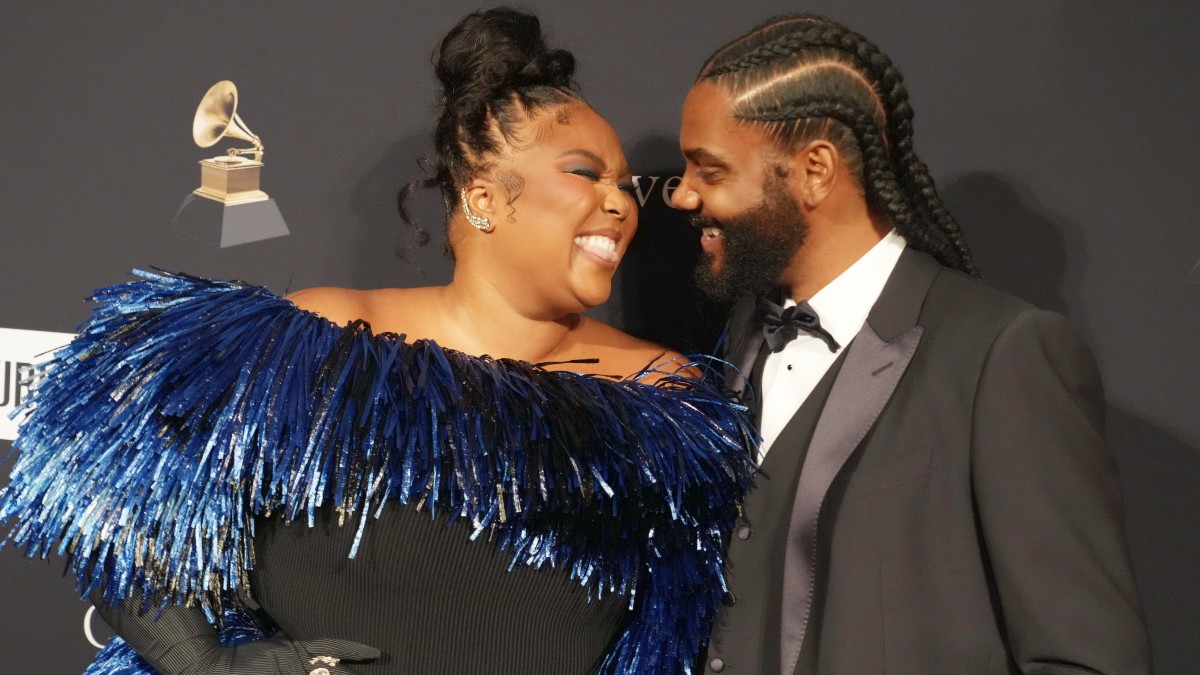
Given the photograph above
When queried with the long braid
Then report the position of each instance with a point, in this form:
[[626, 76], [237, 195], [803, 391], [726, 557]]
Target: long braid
[[894, 178], [913, 172]]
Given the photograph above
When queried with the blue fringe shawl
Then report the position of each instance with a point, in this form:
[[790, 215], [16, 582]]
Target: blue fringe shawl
[[187, 407]]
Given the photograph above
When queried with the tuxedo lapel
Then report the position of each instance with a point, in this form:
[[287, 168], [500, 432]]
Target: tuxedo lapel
[[864, 385], [875, 361], [744, 339]]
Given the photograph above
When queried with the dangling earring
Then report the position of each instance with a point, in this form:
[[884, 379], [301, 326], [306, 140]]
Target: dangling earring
[[480, 222]]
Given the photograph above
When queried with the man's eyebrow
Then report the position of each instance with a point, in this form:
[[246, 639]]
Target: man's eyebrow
[[702, 156], [625, 170]]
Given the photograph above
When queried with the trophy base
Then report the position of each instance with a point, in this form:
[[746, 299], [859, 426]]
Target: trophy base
[[222, 225], [231, 199], [230, 180]]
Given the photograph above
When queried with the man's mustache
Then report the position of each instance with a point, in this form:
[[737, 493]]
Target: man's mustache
[[700, 222]]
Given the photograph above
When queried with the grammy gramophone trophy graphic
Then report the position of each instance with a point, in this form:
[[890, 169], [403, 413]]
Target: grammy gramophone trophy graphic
[[228, 208]]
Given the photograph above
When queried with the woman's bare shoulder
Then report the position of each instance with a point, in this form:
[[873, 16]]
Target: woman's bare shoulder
[[393, 310], [339, 305]]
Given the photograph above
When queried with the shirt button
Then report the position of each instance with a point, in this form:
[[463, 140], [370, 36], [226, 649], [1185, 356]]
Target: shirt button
[[729, 599], [743, 532], [716, 665], [319, 671]]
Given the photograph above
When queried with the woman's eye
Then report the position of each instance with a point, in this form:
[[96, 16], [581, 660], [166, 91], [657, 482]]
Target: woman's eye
[[586, 173], [628, 187]]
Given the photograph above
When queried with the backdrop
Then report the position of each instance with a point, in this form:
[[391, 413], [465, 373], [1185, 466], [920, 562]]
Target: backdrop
[[1061, 135]]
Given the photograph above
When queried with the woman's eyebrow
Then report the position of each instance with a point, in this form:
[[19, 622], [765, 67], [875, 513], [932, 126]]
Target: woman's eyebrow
[[625, 170]]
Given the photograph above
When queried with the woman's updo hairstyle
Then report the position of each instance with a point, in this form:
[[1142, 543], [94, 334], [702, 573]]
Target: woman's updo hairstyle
[[496, 73]]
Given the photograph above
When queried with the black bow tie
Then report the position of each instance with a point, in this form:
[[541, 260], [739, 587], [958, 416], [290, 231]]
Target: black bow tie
[[781, 326]]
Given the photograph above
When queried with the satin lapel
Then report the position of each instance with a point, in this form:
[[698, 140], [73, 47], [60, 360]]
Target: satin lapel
[[745, 339], [864, 385], [875, 362]]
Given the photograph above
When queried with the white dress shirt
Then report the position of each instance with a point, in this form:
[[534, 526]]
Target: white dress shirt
[[842, 306]]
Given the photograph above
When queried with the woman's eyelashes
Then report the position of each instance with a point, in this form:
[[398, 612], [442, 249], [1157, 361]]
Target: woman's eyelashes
[[590, 174], [594, 176]]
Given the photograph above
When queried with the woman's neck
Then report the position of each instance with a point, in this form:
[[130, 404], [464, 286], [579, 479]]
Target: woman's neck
[[477, 317]]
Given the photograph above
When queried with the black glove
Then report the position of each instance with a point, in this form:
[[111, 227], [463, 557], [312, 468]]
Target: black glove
[[181, 641], [282, 656]]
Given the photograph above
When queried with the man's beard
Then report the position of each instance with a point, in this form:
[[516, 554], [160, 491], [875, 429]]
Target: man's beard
[[759, 245]]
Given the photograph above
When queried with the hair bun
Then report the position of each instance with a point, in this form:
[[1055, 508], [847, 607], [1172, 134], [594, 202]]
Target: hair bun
[[495, 51]]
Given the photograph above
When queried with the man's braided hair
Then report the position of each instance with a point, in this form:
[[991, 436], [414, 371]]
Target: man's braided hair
[[805, 77]]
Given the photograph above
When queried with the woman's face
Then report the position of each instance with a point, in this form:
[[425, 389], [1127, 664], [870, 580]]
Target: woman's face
[[560, 240]]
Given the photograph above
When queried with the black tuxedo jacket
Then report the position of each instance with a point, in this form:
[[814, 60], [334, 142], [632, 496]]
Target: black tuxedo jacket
[[957, 510]]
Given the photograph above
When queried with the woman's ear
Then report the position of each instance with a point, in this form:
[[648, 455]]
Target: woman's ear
[[483, 198]]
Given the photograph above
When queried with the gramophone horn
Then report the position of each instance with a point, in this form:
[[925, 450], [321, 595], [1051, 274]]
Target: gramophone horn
[[217, 118]]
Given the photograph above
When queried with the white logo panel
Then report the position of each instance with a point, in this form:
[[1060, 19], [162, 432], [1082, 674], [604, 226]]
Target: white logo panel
[[23, 355]]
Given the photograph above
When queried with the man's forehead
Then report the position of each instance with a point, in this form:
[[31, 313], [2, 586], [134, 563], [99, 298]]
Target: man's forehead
[[710, 133], [706, 102]]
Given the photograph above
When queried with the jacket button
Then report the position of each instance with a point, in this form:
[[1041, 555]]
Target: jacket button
[[729, 599], [743, 532], [716, 665]]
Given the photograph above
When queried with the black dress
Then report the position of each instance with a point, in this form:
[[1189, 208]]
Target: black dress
[[204, 442], [431, 599]]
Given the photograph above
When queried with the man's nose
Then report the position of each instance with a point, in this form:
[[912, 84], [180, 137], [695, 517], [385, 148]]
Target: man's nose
[[684, 197]]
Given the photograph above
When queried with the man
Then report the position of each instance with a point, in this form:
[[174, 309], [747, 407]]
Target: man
[[935, 495]]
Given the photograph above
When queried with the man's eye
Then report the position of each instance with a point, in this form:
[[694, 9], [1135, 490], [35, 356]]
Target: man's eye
[[708, 176]]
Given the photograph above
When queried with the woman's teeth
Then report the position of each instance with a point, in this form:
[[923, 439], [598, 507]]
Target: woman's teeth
[[712, 232], [602, 247]]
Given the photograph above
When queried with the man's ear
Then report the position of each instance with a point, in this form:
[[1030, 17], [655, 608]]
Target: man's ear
[[814, 170]]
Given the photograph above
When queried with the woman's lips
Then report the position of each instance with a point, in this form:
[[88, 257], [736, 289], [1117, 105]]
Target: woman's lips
[[712, 239]]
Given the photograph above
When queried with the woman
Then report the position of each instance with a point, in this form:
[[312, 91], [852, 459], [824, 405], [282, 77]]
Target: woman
[[444, 505]]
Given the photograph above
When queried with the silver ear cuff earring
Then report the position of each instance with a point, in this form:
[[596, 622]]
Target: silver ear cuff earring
[[480, 222]]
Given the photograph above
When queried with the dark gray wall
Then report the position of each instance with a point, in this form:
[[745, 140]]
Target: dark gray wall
[[1061, 133]]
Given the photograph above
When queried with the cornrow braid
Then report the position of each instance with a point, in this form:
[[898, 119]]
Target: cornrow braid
[[885, 193], [790, 44]]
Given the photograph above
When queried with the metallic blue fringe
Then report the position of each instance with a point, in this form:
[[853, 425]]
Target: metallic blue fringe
[[187, 407], [118, 658]]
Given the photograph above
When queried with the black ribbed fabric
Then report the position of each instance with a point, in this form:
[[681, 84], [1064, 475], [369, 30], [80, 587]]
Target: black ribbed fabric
[[431, 599]]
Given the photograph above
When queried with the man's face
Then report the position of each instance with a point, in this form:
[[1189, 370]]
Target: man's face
[[736, 188]]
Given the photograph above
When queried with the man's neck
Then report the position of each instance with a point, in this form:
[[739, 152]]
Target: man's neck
[[827, 252]]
